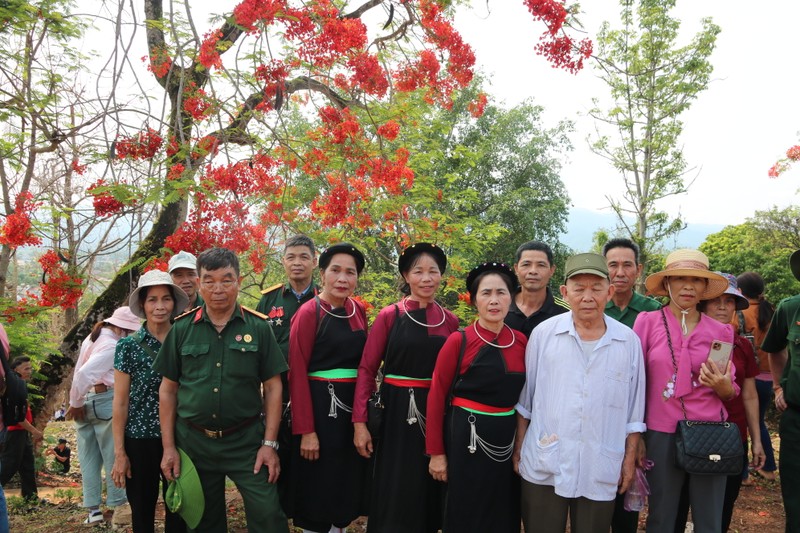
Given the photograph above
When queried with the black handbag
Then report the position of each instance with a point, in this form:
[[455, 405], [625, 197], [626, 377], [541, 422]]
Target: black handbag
[[705, 447]]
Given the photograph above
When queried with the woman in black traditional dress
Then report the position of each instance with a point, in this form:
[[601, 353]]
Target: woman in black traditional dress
[[471, 424], [327, 337], [406, 337]]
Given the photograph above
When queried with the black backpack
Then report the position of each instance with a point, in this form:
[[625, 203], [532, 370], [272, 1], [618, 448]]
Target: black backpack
[[15, 398]]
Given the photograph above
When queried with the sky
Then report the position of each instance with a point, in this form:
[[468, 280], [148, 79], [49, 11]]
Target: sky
[[733, 133]]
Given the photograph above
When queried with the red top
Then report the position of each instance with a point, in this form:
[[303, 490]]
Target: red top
[[445, 373], [28, 419], [302, 337], [745, 362]]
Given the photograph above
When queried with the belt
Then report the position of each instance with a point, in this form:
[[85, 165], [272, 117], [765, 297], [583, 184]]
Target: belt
[[482, 408], [346, 375], [405, 381], [219, 433], [100, 388]]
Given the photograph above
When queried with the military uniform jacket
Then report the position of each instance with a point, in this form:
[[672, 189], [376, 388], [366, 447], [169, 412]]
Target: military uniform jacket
[[220, 374], [280, 304]]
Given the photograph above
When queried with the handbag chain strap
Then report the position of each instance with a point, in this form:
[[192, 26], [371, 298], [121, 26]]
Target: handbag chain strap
[[675, 366]]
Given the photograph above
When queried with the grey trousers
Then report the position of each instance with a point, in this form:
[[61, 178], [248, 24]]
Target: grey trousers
[[706, 493], [544, 511]]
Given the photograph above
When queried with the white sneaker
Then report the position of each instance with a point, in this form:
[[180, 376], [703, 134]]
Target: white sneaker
[[94, 517]]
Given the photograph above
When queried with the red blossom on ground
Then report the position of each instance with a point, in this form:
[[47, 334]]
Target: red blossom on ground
[[389, 130], [141, 146], [18, 228]]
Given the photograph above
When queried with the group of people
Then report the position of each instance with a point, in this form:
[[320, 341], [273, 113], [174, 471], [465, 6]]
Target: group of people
[[539, 411]]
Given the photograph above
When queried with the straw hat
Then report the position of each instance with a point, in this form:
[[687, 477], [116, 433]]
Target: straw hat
[[687, 263], [152, 278]]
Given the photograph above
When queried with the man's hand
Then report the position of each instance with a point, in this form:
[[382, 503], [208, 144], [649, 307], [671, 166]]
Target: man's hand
[[268, 457], [362, 439], [309, 446], [171, 463], [75, 413], [438, 467]]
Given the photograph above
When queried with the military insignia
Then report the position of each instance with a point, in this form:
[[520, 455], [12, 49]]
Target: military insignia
[[278, 321], [238, 338], [248, 338]]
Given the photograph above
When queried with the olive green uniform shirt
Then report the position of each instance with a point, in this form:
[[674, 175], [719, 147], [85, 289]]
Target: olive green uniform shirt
[[638, 304], [280, 304], [220, 374], [784, 332]]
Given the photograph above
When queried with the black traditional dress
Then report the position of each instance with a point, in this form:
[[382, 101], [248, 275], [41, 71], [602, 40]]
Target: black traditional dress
[[479, 428], [322, 381], [404, 497]]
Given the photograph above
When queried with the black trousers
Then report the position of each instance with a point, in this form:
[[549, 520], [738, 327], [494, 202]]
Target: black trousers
[[18, 457], [143, 486]]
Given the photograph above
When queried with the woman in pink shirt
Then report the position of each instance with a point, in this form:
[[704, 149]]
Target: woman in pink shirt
[[676, 341]]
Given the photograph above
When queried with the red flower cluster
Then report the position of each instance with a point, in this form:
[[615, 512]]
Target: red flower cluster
[[18, 228], [175, 171], [443, 35], [793, 153], [77, 168], [340, 126], [273, 75], [250, 12], [60, 289], [782, 165], [141, 146], [478, 106], [368, 74], [394, 177], [160, 62], [389, 130], [197, 103], [104, 202], [561, 50], [209, 56], [335, 37]]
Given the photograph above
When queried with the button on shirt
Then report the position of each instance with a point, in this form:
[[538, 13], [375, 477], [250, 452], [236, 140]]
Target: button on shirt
[[581, 409]]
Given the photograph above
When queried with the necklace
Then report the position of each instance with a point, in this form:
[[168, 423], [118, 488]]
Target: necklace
[[334, 315], [405, 310], [513, 338]]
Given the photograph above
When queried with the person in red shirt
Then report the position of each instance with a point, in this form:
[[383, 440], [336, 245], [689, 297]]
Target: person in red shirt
[[18, 453]]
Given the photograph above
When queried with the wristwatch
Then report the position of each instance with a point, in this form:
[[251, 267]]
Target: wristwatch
[[271, 443]]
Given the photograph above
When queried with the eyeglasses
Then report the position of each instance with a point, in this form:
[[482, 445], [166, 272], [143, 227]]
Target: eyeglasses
[[224, 284]]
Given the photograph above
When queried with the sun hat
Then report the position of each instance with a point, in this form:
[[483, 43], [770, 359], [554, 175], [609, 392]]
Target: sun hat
[[125, 319], [182, 260], [500, 268], [152, 278], [594, 264], [687, 262], [794, 262], [406, 258], [733, 290], [185, 493], [342, 248]]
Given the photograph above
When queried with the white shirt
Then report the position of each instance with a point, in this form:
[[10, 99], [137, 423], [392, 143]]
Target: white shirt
[[95, 365], [580, 408]]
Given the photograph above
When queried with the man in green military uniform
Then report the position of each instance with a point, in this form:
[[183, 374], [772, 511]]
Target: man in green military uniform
[[624, 268], [182, 268], [280, 302], [783, 344], [214, 362]]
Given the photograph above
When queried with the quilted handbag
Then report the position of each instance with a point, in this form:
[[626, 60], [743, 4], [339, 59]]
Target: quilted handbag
[[712, 448]]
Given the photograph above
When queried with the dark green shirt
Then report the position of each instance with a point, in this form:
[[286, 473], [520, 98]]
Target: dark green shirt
[[134, 356], [638, 304], [220, 374], [280, 304], [784, 332]]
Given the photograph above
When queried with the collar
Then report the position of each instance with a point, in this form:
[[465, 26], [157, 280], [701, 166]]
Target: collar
[[546, 305], [614, 330], [300, 295], [200, 314]]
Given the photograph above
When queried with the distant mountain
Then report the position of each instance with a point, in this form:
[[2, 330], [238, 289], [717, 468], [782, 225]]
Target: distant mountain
[[584, 222]]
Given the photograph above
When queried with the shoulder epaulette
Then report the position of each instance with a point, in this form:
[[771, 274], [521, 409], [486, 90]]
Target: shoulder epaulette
[[561, 302], [256, 313], [270, 289], [187, 313]]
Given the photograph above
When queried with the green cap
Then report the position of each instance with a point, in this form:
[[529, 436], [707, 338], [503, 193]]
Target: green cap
[[594, 264], [185, 494]]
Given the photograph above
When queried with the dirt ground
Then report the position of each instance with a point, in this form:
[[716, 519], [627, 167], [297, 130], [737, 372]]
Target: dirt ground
[[758, 510]]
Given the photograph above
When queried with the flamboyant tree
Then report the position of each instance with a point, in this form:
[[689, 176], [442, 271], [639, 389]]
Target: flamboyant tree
[[652, 81], [785, 163]]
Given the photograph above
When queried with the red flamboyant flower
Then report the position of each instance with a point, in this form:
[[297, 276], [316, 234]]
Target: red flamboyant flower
[[77, 168], [103, 201], [141, 146], [389, 130], [368, 74], [793, 153], [160, 61], [478, 106], [59, 288], [18, 228], [197, 103], [209, 56], [561, 50], [250, 12]]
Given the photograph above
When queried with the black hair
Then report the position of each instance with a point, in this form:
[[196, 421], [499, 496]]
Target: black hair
[[300, 240], [473, 290], [536, 246], [752, 286], [622, 242], [62, 441], [403, 285], [217, 258], [19, 360]]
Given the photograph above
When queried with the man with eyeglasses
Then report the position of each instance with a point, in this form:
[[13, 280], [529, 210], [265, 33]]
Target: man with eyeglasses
[[215, 362]]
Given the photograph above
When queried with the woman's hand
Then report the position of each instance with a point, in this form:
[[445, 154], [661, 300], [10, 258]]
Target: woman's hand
[[362, 439], [780, 401], [309, 446], [121, 470], [710, 376], [759, 457], [438, 467]]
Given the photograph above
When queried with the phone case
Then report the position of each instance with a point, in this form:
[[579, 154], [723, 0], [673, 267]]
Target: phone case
[[720, 353]]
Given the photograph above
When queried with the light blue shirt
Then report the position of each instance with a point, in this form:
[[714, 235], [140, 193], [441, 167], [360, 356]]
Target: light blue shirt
[[581, 409]]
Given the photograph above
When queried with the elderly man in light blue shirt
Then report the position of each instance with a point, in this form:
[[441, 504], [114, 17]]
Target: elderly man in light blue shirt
[[581, 412]]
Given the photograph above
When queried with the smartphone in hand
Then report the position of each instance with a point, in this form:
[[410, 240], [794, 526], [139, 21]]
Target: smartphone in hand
[[720, 353]]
